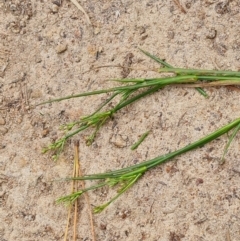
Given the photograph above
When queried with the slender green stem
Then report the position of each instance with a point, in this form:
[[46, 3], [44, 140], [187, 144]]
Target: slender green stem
[[123, 190], [96, 92], [160, 61], [165, 64], [131, 174], [230, 141], [180, 71], [218, 78], [126, 177], [202, 92], [161, 159], [184, 77], [146, 83], [73, 196], [105, 103], [135, 98], [196, 144], [141, 139], [97, 119]]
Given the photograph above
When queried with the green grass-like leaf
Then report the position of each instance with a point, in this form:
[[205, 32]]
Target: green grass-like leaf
[[133, 90], [127, 177], [141, 139]]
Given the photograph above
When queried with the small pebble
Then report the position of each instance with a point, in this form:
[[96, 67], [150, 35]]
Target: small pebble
[[199, 181], [222, 8], [61, 48], [186, 28], [23, 31], [77, 58], [29, 217], [3, 130], [57, 2], [2, 121], [211, 33], [55, 8], [144, 37], [188, 4], [2, 146], [142, 30], [45, 132], [27, 107], [38, 59], [19, 120], [22, 23], [170, 34], [119, 141], [14, 28], [92, 49], [37, 93], [63, 34], [13, 8], [103, 226], [97, 31], [118, 29]]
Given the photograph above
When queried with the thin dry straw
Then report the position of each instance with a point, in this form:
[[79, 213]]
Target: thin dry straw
[[77, 173], [80, 174], [82, 10]]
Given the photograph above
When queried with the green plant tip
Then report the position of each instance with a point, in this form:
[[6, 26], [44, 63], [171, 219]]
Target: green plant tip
[[141, 139]]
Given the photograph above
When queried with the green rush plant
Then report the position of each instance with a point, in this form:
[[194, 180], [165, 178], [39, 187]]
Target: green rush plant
[[126, 177], [130, 91], [136, 89]]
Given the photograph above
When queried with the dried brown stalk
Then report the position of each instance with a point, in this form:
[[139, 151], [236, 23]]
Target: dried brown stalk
[[80, 174], [180, 6], [75, 2]]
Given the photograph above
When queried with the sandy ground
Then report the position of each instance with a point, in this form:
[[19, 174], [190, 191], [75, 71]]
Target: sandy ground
[[46, 51]]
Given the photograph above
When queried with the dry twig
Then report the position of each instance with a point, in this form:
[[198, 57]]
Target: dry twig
[[180, 6], [80, 174], [70, 208], [75, 185], [73, 189]]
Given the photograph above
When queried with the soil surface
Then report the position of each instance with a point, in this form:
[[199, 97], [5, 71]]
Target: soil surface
[[48, 50]]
